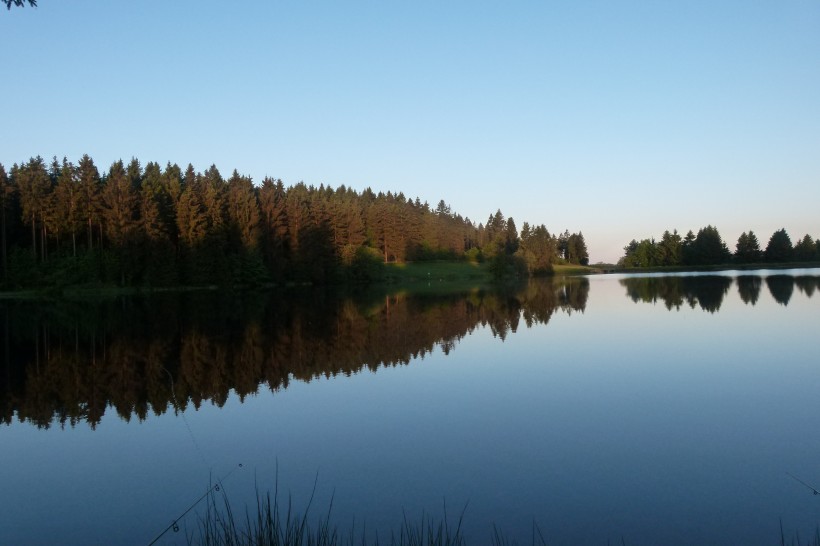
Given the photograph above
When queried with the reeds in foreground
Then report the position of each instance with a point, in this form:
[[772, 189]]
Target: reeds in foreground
[[277, 525]]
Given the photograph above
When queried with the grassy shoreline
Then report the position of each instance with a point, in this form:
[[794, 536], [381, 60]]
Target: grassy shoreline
[[436, 276]]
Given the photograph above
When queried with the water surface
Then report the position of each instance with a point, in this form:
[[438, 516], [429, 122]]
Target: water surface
[[660, 409]]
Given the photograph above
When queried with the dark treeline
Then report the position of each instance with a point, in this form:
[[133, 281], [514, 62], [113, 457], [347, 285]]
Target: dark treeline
[[708, 248], [708, 291], [66, 224], [69, 363]]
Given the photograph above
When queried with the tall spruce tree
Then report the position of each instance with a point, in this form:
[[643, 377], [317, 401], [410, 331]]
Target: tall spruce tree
[[88, 179]]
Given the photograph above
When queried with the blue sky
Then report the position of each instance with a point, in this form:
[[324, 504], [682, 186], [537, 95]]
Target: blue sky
[[617, 119]]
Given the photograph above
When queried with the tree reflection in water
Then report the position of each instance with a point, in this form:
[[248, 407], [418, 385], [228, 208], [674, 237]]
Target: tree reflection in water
[[708, 291], [69, 362]]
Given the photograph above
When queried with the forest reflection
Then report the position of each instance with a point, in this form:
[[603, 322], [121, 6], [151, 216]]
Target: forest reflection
[[67, 363], [708, 291]]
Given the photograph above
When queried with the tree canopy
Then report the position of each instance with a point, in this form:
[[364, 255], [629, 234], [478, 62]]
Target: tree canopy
[[708, 248], [66, 223]]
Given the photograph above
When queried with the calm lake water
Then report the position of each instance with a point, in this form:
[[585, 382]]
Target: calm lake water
[[657, 409]]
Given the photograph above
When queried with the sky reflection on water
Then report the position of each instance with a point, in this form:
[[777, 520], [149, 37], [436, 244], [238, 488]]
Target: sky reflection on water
[[620, 418]]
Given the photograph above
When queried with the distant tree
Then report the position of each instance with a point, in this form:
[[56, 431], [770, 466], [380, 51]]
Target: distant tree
[[805, 250], [747, 249], [243, 210], [119, 204], [67, 202], [191, 220], [780, 247], [708, 248], [511, 240], [88, 179], [577, 249], [687, 247], [118, 207], [669, 249], [537, 249], [563, 244], [496, 235], [274, 226], [151, 195], [640, 254], [34, 185], [134, 173], [19, 3]]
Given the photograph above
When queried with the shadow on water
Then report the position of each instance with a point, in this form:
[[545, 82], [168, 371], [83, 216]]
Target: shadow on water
[[69, 362]]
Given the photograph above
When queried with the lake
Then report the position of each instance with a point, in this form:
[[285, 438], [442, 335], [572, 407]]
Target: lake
[[657, 409]]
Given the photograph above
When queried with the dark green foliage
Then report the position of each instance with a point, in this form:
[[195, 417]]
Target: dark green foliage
[[748, 248], [577, 249], [780, 247], [669, 251], [164, 227], [365, 266], [640, 254], [537, 249], [704, 249], [572, 248], [708, 248], [805, 250]]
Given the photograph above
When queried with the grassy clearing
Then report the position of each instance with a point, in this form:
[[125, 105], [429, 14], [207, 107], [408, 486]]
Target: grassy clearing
[[572, 269], [436, 272]]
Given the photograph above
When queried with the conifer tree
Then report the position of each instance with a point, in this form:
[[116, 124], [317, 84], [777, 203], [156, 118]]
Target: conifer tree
[[67, 202], [805, 249], [747, 249], [33, 185], [89, 194], [780, 247]]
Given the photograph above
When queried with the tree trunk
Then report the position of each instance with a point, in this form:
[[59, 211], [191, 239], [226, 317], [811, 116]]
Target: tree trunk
[[43, 242], [34, 236]]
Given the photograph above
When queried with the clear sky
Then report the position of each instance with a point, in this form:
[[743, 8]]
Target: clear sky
[[615, 118]]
